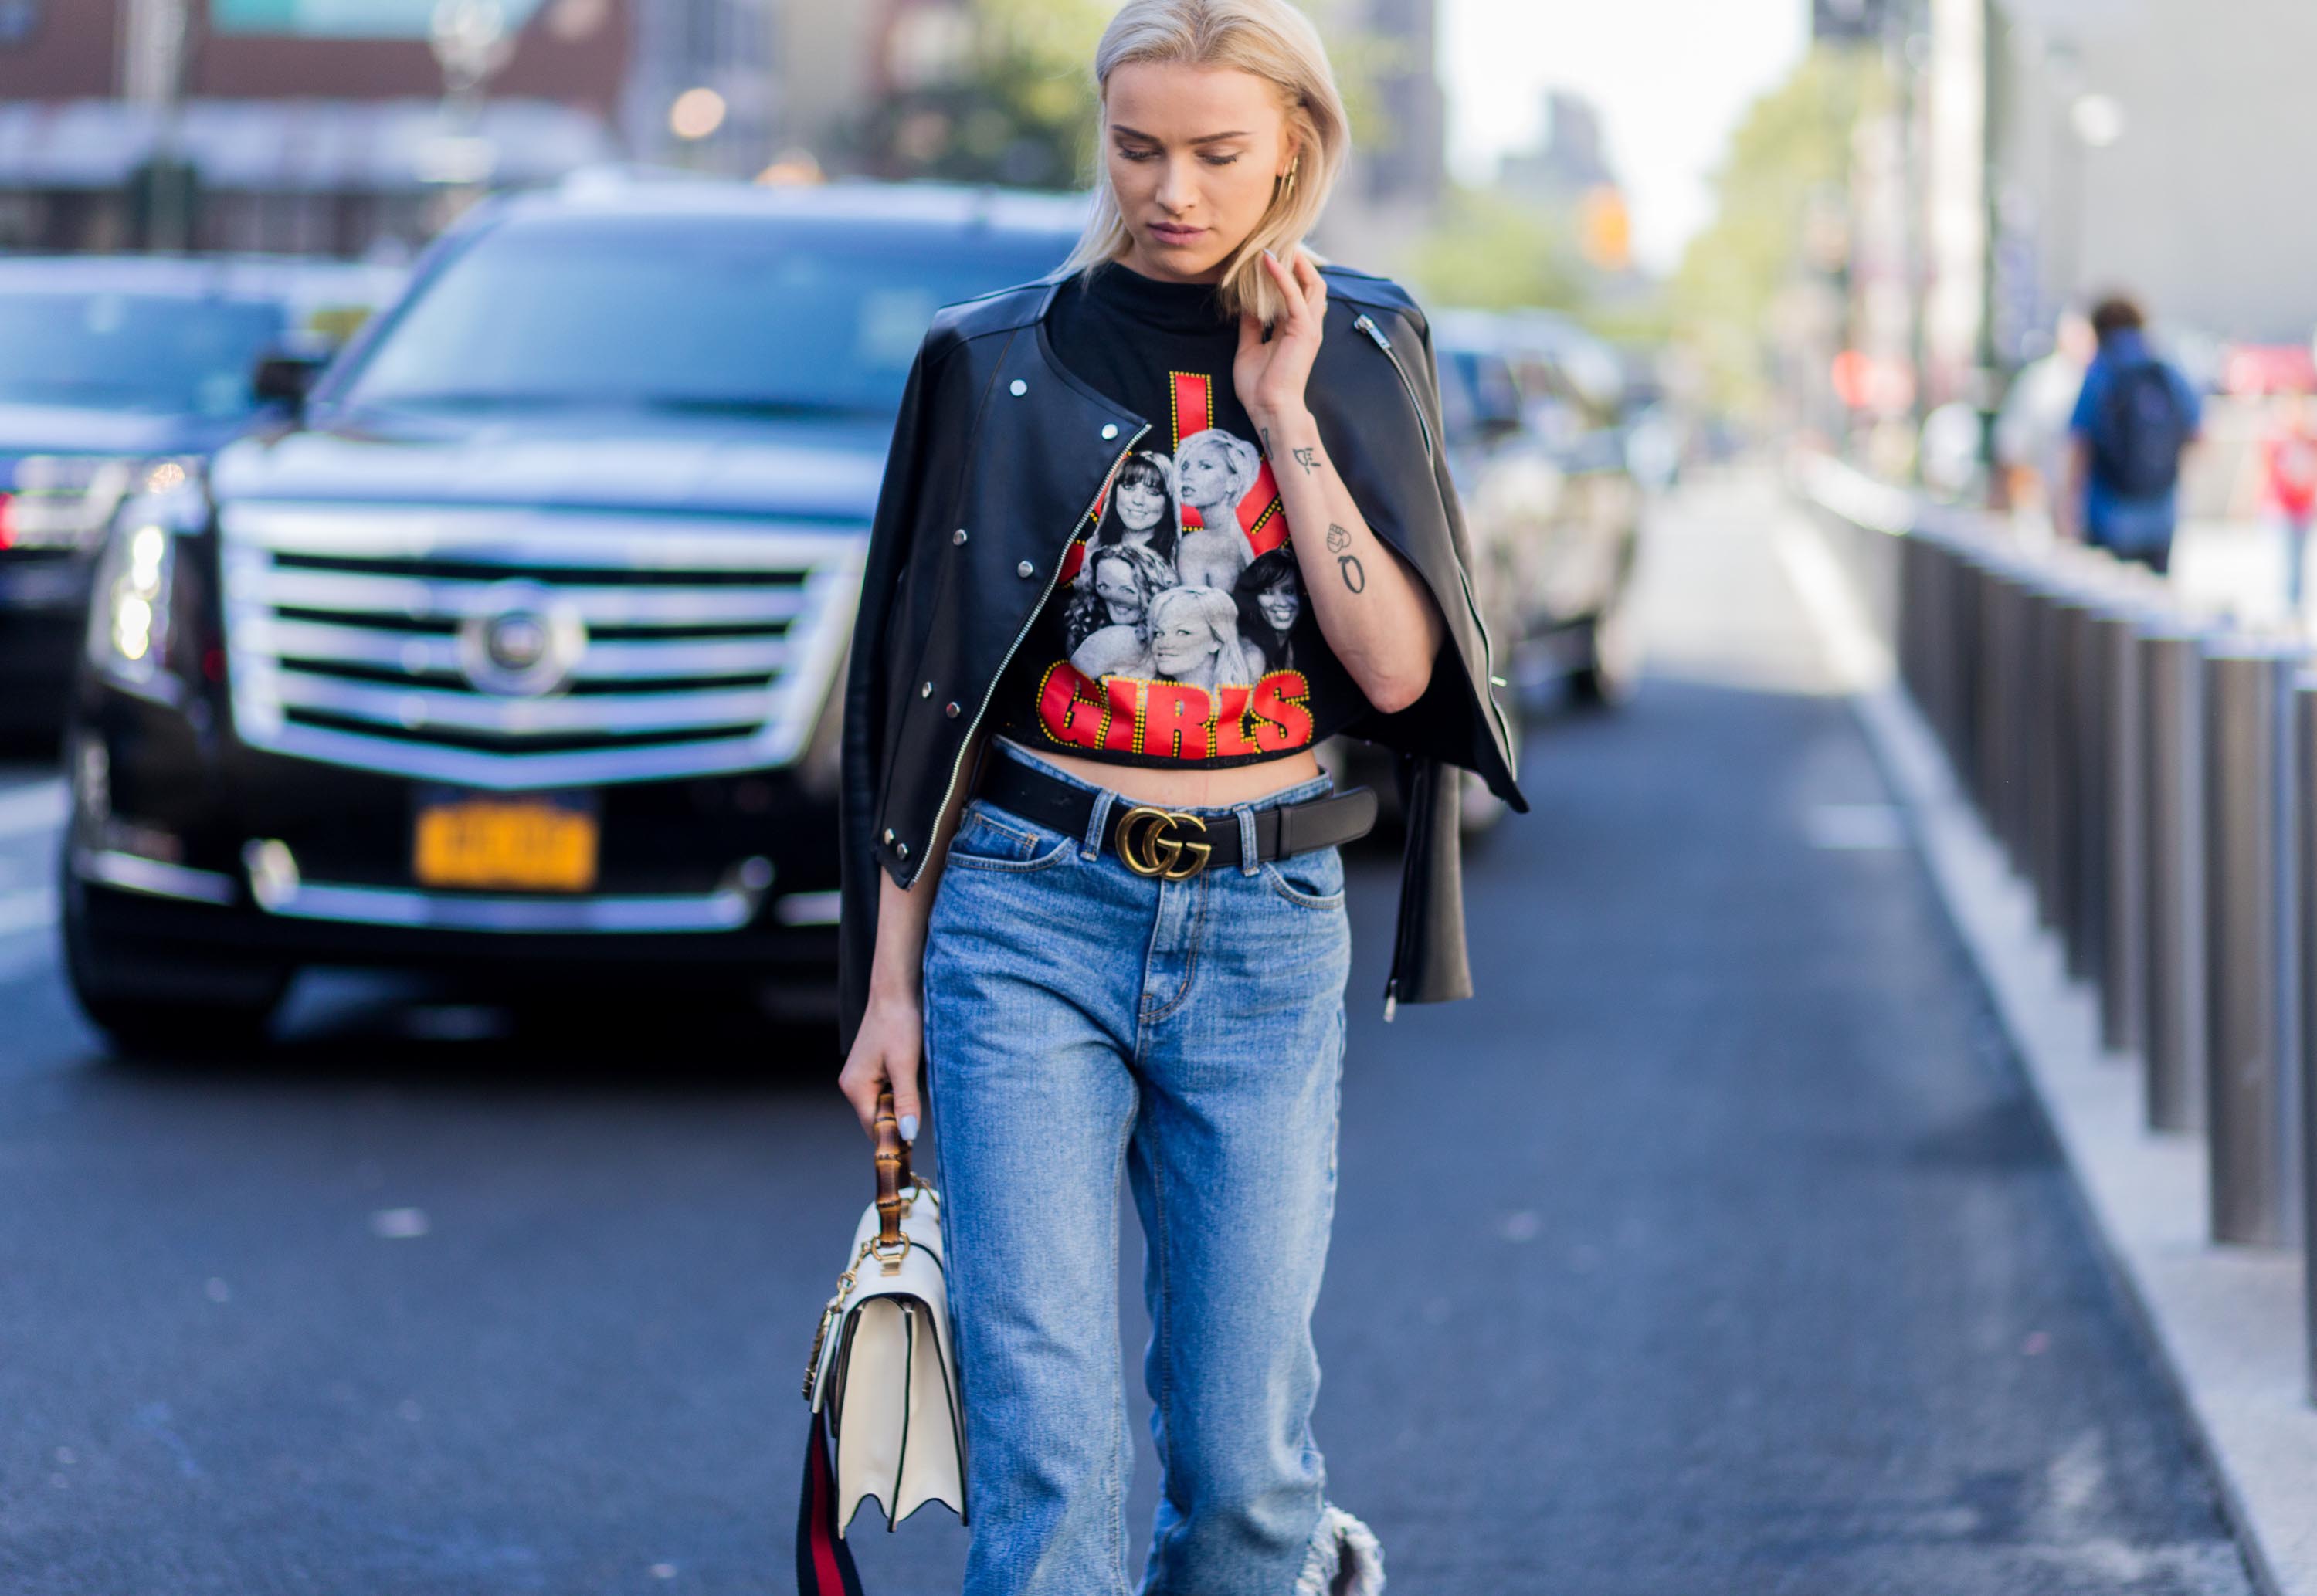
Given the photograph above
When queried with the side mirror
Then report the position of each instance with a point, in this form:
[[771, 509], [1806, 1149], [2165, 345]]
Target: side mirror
[[1496, 428], [284, 378]]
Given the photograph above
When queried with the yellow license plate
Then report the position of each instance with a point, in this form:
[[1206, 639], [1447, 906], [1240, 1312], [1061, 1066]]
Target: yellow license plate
[[537, 847]]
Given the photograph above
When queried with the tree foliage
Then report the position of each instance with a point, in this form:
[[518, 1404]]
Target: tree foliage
[[1019, 105], [1794, 142], [1493, 252]]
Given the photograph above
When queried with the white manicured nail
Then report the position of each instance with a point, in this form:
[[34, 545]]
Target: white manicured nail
[[908, 1127]]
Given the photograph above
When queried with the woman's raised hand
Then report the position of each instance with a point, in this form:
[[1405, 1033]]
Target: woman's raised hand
[[1271, 376]]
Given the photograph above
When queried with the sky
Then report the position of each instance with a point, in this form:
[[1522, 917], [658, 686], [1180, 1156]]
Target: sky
[[1671, 79]]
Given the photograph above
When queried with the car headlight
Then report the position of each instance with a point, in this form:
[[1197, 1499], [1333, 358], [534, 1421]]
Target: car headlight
[[129, 608]]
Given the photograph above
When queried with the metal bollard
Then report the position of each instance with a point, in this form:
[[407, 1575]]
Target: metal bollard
[[2123, 936], [1918, 620], [2252, 1072], [1943, 643], [1991, 697], [2083, 797], [2304, 719], [2172, 875], [2049, 752], [2017, 690], [1963, 689]]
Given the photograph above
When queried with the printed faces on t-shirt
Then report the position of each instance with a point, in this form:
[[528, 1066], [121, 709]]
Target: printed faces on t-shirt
[[1177, 610]]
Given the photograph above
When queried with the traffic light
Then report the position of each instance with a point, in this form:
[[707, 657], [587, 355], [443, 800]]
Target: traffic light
[[1605, 229], [1848, 20]]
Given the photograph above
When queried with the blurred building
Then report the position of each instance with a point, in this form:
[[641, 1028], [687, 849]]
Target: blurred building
[[1398, 174], [351, 126], [1571, 163], [294, 137], [702, 88], [2056, 148], [2163, 147]]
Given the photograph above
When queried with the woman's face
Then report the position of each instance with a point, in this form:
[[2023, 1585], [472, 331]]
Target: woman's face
[[1114, 585], [1140, 503], [1279, 604], [1207, 480], [1193, 153], [1182, 646]]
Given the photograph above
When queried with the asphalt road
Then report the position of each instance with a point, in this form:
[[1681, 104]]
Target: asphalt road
[[1717, 1249]]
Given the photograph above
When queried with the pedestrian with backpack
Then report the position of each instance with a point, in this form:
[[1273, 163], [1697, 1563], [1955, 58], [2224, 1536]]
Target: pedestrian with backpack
[[2134, 420]]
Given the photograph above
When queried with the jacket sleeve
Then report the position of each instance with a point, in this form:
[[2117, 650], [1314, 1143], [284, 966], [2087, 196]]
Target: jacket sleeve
[[1451, 722], [1430, 961], [898, 503]]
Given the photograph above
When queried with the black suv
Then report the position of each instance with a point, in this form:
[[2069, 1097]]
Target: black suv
[[112, 368], [522, 643]]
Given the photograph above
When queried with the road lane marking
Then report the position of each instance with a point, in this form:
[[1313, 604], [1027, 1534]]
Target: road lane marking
[[39, 806]]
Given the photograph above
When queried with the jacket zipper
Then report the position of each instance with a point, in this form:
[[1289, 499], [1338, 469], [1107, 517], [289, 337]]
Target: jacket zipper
[[957, 765], [1367, 324]]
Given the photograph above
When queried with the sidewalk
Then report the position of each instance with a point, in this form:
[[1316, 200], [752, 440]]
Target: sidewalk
[[2229, 1322]]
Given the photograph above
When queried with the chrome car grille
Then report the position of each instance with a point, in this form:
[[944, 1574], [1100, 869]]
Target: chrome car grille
[[684, 645]]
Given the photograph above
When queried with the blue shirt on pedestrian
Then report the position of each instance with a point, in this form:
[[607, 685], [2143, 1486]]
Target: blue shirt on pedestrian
[[2110, 519]]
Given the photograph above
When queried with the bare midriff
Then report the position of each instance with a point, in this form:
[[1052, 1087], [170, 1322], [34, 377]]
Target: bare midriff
[[1191, 788]]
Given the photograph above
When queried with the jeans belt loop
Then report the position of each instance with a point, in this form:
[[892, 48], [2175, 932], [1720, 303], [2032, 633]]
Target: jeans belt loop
[[1098, 823], [1248, 864]]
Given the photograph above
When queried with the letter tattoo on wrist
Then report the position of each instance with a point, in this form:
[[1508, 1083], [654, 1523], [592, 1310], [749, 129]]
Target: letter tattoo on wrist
[[1309, 458], [1338, 539]]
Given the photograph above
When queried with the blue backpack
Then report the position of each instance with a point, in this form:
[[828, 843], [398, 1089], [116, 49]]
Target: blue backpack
[[2138, 430]]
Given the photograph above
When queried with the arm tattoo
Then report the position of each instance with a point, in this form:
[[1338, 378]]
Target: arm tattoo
[[1309, 458], [1354, 574], [1266, 442], [1339, 539]]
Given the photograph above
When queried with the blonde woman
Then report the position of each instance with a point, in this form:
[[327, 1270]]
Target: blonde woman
[[1194, 639], [1216, 471], [1105, 918]]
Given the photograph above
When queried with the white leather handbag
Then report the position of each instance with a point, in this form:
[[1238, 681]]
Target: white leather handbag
[[882, 1378]]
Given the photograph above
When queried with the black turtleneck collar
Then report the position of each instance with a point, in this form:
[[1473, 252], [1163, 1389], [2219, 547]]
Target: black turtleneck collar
[[1168, 307]]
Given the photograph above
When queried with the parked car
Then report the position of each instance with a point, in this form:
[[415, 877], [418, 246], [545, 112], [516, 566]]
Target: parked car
[[518, 647], [111, 368], [1533, 407]]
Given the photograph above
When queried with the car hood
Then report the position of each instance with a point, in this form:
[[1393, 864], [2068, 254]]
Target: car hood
[[60, 428], [817, 470]]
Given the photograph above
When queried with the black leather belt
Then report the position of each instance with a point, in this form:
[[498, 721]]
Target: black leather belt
[[1170, 843]]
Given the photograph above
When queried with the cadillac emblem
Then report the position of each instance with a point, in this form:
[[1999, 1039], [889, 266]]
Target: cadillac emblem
[[521, 642]]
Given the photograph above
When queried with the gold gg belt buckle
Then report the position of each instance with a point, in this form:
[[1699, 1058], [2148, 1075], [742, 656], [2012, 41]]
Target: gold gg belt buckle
[[1148, 843]]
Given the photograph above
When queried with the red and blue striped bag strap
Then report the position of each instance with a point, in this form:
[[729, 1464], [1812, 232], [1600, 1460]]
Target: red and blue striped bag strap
[[824, 1565]]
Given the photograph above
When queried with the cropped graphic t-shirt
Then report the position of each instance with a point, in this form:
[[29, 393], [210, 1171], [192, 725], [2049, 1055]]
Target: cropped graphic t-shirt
[[1179, 633]]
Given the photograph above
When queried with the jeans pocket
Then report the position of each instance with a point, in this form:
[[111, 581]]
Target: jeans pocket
[[1310, 880], [989, 839]]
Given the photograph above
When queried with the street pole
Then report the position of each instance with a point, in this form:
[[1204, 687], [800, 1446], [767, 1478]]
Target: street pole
[[153, 69], [1994, 379]]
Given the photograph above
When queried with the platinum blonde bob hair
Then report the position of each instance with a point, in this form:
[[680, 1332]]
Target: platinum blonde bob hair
[[1272, 40]]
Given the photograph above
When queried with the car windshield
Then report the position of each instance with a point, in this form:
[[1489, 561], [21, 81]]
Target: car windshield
[[157, 353], [742, 320]]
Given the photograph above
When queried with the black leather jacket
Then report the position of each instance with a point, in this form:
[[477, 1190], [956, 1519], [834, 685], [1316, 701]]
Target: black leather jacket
[[998, 457]]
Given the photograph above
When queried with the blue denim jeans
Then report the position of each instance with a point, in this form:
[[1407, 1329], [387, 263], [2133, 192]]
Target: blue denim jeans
[[1081, 1019]]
